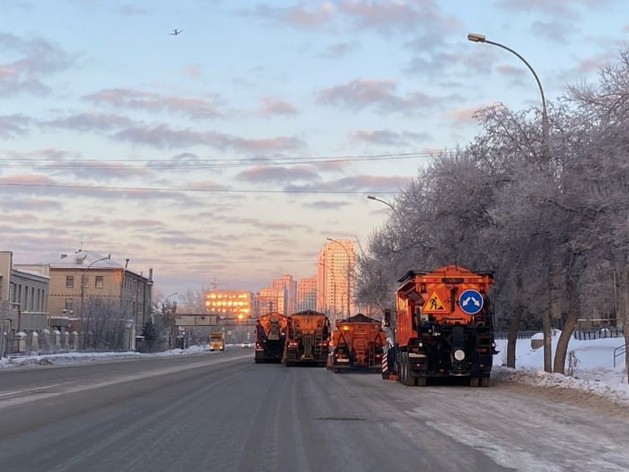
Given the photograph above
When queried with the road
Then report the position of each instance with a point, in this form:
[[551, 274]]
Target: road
[[221, 412]]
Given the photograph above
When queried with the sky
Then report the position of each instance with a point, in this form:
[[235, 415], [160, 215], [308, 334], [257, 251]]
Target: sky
[[227, 154]]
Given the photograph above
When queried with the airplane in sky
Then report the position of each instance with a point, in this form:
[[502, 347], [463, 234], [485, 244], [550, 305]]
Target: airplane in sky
[[175, 32]]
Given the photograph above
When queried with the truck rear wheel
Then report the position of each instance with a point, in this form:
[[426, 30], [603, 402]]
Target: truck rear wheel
[[474, 381], [409, 380], [421, 381]]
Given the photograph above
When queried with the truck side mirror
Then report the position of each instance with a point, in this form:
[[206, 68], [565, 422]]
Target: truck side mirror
[[387, 317]]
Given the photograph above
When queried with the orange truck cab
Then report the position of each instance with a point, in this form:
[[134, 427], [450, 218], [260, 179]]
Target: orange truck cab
[[442, 326]]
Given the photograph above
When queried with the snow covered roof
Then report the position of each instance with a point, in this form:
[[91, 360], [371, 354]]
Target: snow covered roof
[[83, 259]]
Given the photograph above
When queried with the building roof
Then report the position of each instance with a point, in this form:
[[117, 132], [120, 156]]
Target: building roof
[[83, 259]]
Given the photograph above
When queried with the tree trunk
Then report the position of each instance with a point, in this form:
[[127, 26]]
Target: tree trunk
[[574, 313], [562, 344], [514, 327], [553, 311]]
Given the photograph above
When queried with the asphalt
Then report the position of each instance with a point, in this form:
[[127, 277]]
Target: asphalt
[[221, 412]]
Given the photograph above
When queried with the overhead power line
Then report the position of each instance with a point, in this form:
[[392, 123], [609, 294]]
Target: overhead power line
[[114, 164], [200, 190]]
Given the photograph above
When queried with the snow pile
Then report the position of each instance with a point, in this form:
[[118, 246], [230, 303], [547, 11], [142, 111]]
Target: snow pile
[[87, 357], [591, 363]]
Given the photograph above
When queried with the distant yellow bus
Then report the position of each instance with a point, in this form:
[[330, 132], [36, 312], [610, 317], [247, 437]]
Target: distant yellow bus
[[217, 341]]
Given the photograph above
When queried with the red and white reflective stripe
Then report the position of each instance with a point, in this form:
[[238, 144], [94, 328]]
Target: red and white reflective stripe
[[384, 363]]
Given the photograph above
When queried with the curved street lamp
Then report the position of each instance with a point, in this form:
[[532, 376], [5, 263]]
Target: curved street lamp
[[348, 272], [371, 197], [480, 38]]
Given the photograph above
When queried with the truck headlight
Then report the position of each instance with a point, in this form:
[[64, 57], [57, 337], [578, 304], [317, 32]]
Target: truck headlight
[[459, 354]]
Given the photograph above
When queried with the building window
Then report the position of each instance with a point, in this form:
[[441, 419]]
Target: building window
[[69, 304], [99, 281], [69, 281]]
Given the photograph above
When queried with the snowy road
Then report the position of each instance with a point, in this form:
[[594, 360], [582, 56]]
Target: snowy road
[[222, 412]]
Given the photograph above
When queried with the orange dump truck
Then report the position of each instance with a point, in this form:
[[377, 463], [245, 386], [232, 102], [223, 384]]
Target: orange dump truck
[[442, 327], [270, 337], [359, 343], [307, 338]]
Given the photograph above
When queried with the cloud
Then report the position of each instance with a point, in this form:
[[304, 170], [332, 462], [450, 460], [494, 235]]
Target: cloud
[[27, 179], [100, 170], [133, 99], [19, 218], [357, 183], [162, 136], [144, 223], [262, 224], [31, 204], [397, 15], [295, 15], [261, 174], [558, 31], [90, 121], [562, 9], [13, 125], [192, 71], [38, 59], [388, 137], [591, 64], [327, 205], [466, 115], [336, 50], [132, 10], [276, 106], [363, 93]]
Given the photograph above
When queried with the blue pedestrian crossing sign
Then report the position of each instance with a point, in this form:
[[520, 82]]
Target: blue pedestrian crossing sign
[[471, 301]]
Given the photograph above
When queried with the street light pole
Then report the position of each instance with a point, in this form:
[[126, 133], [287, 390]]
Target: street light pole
[[173, 324], [348, 272], [480, 38], [546, 317], [84, 278]]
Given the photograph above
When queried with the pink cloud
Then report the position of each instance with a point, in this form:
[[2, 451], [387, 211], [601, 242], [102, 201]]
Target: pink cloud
[[466, 115], [274, 174], [388, 137], [135, 99], [27, 179], [276, 106], [362, 93], [295, 15]]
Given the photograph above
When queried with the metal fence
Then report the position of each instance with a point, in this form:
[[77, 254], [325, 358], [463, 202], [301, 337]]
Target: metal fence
[[601, 333], [520, 335]]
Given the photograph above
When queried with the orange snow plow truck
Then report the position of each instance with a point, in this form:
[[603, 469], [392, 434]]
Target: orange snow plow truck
[[442, 327], [307, 338], [358, 344], [270, 337]]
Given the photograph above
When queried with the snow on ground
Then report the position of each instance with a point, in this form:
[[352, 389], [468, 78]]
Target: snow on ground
[[593, 370], [592, 366]]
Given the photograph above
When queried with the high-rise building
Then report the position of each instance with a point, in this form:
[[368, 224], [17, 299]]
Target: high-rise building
[[238, 304], [306, 294], [335, 278], [269, 299], [287, 283]]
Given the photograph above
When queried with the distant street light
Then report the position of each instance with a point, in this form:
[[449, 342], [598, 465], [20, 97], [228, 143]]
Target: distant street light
[[84, 279], [371, 197], [166, 299], [348, 272], [480, 38]]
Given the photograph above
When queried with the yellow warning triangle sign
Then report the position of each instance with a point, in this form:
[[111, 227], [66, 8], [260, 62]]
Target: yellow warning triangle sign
[[434, 305]]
